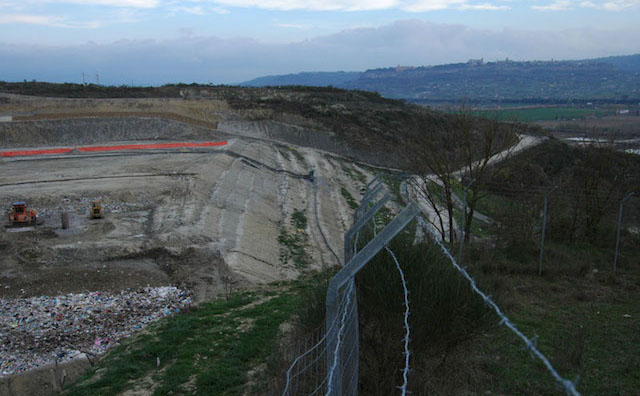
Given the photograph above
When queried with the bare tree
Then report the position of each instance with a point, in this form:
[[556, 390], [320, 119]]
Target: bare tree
[[432, 162], [453, 148], [484, 144], [599, 181]]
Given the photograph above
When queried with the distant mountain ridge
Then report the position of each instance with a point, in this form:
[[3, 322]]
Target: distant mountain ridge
[[312, 79], [610, 78]]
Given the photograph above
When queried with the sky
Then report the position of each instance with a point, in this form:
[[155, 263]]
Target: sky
[[152, 42]]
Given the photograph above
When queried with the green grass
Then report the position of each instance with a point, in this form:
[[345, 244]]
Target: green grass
[[353, 173], [206, 351], [298, 156], [590, 340], [393, 181], [283, 151], [293, 242], [541, 114], [478, 228], [349, 198]]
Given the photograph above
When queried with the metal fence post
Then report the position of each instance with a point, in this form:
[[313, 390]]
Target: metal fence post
[[463, 234], [615, 259], [347, 274], [368, 196], [544, 227], [359, 223]]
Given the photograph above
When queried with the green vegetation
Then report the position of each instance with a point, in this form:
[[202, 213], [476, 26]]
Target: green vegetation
[[284, 152], [543, 114], [580, 310], [293, 243], [298, 156], [394, 182], [349, 198], [307, 78], [591, 180], [299, 219], [353, 173], [540, 82], [364, 125], [445, 315], [206, 351]]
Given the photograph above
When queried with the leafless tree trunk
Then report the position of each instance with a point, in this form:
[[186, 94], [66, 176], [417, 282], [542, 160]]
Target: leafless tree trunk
[[457, 146]]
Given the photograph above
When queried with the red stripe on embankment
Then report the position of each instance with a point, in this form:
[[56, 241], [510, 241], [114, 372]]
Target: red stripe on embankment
[[150, 146], [111, 148], [34, 152]]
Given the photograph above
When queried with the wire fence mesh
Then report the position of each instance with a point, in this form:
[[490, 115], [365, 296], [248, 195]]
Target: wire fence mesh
[[328, 361]]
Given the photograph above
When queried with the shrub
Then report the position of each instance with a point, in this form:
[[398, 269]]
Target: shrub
[[445, 314]]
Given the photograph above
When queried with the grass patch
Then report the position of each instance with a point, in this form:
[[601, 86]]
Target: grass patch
[[543, 114], [394, 182], [298, 156], [293, 242], [349, 198], [283, 151], [299, 219], [353, 173], [217, 343]]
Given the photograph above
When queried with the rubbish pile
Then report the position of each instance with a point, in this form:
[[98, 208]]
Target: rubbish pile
[[37, 331]]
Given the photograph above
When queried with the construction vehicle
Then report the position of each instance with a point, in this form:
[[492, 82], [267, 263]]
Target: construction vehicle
[[20, 215], [96, 210]]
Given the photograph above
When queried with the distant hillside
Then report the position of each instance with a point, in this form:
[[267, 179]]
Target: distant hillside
[[630, 63], [503, 81], [312, 79], [609, 79]]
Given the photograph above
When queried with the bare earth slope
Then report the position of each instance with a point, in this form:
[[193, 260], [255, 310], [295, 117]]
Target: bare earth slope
[[203, 219]]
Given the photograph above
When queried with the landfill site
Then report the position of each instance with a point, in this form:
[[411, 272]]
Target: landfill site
[[184, 212]]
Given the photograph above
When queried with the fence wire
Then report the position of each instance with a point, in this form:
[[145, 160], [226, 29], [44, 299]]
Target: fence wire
[[308, 372], [407, 329], [568, 385], [328, 361]]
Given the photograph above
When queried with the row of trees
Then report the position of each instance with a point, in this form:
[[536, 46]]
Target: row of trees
[[467, 148]]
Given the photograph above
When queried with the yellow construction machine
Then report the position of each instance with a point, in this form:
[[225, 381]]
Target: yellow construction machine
[[96, 210]]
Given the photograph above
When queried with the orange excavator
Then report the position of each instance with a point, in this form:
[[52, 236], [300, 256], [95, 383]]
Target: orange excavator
[[20, 215]]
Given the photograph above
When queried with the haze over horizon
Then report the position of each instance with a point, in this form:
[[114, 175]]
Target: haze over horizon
[[153, 42]]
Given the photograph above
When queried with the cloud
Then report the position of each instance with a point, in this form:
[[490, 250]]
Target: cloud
[[112, 3], [293, 25], [189, 58], [563, 5], [559, 5], [616, 5], [195, 10], [201, 7], [484, 7], [360, 5], [46, 20]]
